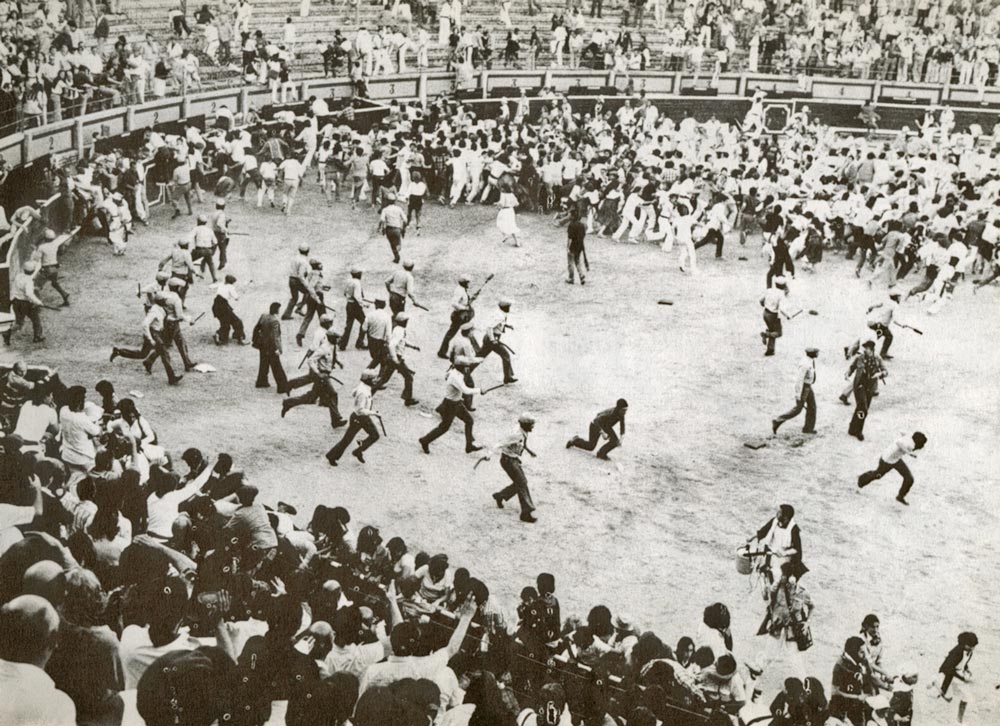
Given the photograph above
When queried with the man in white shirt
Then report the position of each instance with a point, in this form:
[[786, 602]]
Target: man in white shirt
[[771, 302], [404, 639], [222, 309], [804, 396], [891, 459], [37, 419], [291, 171], [164, 500], [29, 629]]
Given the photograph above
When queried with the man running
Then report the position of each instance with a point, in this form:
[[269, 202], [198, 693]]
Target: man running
[[361, 420], [510, 451], [604, 423], [891, 459]]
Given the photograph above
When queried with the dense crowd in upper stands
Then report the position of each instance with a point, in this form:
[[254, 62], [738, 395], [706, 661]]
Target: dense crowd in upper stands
[[59, 60]]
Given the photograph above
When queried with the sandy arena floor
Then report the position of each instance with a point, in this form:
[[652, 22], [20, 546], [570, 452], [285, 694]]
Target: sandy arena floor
[[652, 533]]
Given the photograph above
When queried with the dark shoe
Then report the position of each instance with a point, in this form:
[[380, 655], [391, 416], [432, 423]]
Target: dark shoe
[[886, 356], [470, 409], [774, 427], [286, 317], [65, 302], [357, 454], [569, 282], [569, 444], [861, 484], [114, 354], [859, 437], [176, 379], [338, 423], [902, 500], [284, 408], [499, 500], [582, 281], [843, 400], [768, 353], [215, 337], [811, 431], [846, 355], [410, 402], [423, 445], [473, 448], [442, 355], [528, 518], [510, 380], [177, 213], [298, 340], [38, 339], [263, 385], [331, 461], [190, 367], [149, 368]]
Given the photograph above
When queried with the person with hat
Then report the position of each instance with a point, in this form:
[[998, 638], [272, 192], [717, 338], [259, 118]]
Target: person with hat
[[155, 331], [173, 331], [453, 406], [266, 338], [219, 223], [321, 366], [511, 449], [493, 344], [392, 221], [461, 312], [464, 346], [314, 302], [400, 286], [47, 256], [298, 273], [395, 359], [222, 309], [376, 327], [25, 303], [892, 458], [204, 246], [361, 420], [198, 686], [604, 424], [181, 266], [880, 317], [867, 369], [771, 302], [804, 396], [354, 310]]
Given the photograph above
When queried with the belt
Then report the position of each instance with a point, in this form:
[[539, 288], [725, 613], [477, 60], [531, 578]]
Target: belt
[[49, 267]]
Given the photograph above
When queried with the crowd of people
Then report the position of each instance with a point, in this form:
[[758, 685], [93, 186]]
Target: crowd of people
[[57, 65], [177, 596]]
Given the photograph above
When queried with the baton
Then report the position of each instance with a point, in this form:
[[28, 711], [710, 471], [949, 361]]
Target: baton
[[792, 317], [509, 349], [476, 294], [51, 307], [481, 460], [334, 378], [422, 307], [491, 388], [415, 347], [910, 327], [138, 290], [238, 234], [586, 262], [197, 318], [381, 423], [305, 358]]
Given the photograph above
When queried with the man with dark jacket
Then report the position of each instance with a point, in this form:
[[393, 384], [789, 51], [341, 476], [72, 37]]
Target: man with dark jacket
[[267, 341]]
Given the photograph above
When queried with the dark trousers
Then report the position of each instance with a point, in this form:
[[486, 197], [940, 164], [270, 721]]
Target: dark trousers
[[322, 392], [388, 368], [313, 308], [930, 274], [713, 236], [50, 274], [885, 334], [450, 410], [229, 321], [595, 435], [395, 237], [133, 354], [222, 241], [271, 360], [24, 310], [173, 335], [458, 318], [354, 312], [883, 468], [354, 427], [807, 401], [493, 346], [376, 349], [596, 7], [205, 255], [518, 485], [397, 303], [161, 351], [295, 288], [574, 261], [772, 330], [862, 400]]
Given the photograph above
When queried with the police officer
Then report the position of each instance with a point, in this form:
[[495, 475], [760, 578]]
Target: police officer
[[377, 325], [493, 344], [220, 226], [453, 407], [461, 312], [314, 298], [400, 286], [47, 254], [173, 333], [464, 346], [321, 367], [361, 420], [395, 359], [511, 449], [298, 271], [181, 266], [354, 311]]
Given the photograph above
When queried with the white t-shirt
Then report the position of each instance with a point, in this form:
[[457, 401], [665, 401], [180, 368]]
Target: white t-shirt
[[33, 421], [292, 170]]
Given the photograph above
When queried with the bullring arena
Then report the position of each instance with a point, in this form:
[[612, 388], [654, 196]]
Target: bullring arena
[[652, 532]]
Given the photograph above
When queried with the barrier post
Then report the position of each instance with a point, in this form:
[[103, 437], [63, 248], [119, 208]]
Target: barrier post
[[677, 83], [484, 83], [78, 136], [422, 89], [129, 119], [26, 137], [547, 78], [185, 107], [244, 103], [876, 91]]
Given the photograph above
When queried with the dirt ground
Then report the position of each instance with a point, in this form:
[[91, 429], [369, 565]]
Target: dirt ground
[[652, 533]]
